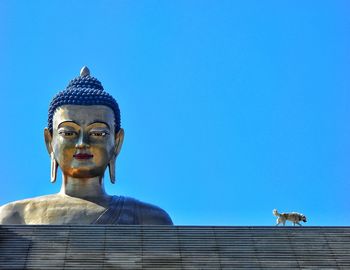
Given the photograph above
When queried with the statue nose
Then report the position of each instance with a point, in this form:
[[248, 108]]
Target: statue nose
[[82, 142], [82, 145]]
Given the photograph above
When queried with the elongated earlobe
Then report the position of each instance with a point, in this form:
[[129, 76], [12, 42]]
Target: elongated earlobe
[[54, 167], [119, 137], [111, 168]]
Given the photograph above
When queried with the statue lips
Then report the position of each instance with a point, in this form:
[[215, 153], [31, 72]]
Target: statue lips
[[82, 156]]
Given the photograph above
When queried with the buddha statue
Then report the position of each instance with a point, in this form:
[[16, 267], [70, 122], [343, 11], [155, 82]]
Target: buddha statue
[[83, 139]]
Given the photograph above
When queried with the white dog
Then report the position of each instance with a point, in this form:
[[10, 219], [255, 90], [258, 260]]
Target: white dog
[[293, 217]]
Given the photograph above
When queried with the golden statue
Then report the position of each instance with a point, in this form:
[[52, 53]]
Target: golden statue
[[83, 138]]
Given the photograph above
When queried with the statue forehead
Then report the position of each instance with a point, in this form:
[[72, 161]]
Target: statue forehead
[[83, 114]]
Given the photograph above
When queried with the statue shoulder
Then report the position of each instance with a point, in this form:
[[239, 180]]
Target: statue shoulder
[[11, 213], [14, 212], [149, 214]]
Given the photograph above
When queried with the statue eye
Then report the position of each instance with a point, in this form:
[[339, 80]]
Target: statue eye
[[67, 133], [98, 133]]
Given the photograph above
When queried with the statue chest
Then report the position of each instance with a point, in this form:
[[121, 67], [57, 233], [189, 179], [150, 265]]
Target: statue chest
[[58, 210], [60, 213]]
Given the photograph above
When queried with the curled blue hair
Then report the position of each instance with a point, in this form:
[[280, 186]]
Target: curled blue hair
[[84, 90]]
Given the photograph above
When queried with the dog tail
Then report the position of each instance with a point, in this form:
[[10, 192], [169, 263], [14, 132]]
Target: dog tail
[[275, 212]]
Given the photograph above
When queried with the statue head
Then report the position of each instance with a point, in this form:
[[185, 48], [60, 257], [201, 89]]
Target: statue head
[[83, 136]]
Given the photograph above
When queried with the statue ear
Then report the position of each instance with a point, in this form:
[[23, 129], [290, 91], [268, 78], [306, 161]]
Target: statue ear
[[119, 138], [48, 140]]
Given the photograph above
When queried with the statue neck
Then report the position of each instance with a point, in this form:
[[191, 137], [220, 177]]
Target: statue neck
[[91, 189]]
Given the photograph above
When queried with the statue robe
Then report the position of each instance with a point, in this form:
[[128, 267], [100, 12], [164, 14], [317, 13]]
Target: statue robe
[[128, 211]]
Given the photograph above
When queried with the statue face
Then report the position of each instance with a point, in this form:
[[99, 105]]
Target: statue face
[[83, 139]]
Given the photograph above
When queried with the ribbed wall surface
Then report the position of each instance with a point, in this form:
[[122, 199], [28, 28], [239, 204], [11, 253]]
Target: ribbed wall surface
[[173, 247]]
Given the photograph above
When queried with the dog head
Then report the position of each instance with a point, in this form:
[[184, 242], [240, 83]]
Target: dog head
[[302, 218]]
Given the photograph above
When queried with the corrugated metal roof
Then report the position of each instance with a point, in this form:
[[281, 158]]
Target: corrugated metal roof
[[173, 247]]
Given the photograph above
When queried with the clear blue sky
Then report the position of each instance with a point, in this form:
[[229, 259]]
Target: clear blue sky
[[230, 108]]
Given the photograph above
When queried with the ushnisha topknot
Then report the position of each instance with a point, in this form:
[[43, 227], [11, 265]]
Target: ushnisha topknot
[[84, 90]]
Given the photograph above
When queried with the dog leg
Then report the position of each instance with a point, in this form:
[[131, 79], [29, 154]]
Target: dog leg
[[278, 221]]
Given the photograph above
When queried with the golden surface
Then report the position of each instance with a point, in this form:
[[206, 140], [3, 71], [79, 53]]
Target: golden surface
[[83, 143]]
